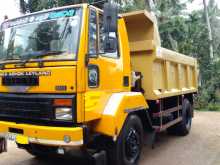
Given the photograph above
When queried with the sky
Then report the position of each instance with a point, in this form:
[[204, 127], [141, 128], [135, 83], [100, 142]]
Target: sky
[[198, 4], [10, 7]]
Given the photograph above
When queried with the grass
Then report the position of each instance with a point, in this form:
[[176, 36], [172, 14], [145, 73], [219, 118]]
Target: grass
[[211, 107], [214, 107], [202, 105]]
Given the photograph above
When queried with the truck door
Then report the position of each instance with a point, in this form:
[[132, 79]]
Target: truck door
[[108, 66], [105, 70]]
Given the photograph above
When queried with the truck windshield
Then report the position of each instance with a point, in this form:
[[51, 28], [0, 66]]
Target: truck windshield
[[51, 35]]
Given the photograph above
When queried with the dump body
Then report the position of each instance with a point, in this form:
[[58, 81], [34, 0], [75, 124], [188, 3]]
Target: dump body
[[165, 73]]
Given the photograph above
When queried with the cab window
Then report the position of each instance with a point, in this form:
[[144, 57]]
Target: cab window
[[93, 32], [97, 35], [102, 39]]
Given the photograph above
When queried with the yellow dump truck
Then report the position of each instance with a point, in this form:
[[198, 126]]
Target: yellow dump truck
[[91, 80]]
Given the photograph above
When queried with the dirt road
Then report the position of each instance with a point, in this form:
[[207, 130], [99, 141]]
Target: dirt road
[[201, 147]]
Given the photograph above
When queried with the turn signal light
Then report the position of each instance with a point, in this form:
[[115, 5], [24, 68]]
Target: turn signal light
[[63, 102]]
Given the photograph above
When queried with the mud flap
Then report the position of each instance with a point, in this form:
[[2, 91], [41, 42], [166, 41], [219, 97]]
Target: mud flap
[[150, 139], [100, 158], [3, 145]]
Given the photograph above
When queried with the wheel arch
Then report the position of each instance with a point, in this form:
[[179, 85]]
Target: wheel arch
[[189, 97], [114, 117], [144, 115]]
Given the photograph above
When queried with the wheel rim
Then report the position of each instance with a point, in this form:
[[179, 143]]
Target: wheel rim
[[132, 145]]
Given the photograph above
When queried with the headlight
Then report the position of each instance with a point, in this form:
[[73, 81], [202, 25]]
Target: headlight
[[63, 113]]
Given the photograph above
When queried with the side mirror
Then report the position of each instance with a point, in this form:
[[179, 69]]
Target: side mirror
[[110, 44], [110, 27], [110, 18]]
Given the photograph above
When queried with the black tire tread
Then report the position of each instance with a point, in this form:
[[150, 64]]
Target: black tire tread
[[115, 153], [180, 128]]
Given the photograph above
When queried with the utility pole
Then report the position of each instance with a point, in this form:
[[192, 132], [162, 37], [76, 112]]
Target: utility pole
[[211, 51]]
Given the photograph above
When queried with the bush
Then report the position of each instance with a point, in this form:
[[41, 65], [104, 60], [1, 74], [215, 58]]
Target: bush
[[207, 100], [214, 107]]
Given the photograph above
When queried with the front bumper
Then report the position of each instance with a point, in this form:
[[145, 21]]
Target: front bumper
[[43, 134]]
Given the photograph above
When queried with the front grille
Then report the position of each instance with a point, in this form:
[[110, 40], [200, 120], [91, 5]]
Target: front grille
[[30, 108], [20, 81]]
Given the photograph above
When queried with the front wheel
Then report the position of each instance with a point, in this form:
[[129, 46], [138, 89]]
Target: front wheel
[[127, 149]]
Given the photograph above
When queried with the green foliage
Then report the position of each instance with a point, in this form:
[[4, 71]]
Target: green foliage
[[33, 5], [188, 34], [214, 107], [131, 5], [37, 5], [168, 8]]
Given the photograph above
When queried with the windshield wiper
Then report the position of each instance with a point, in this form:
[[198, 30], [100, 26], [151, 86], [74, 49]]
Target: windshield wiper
[[38, 54], [6, 59]]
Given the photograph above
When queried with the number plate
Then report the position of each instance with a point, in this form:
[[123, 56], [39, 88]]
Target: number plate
[[11, 136]]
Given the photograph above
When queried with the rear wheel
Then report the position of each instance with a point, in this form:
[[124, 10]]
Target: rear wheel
[[127, 149], [183, 128]]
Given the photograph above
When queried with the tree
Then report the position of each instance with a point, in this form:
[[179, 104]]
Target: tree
[[131, 5], [34, 6], [37, 5], [209, 29], [170, 22], [150, 5]]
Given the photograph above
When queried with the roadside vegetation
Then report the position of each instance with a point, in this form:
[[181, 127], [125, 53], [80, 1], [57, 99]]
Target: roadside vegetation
[[185, 31]]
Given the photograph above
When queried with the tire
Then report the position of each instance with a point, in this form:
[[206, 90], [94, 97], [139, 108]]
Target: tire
[[183, 128], [127, 149]]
